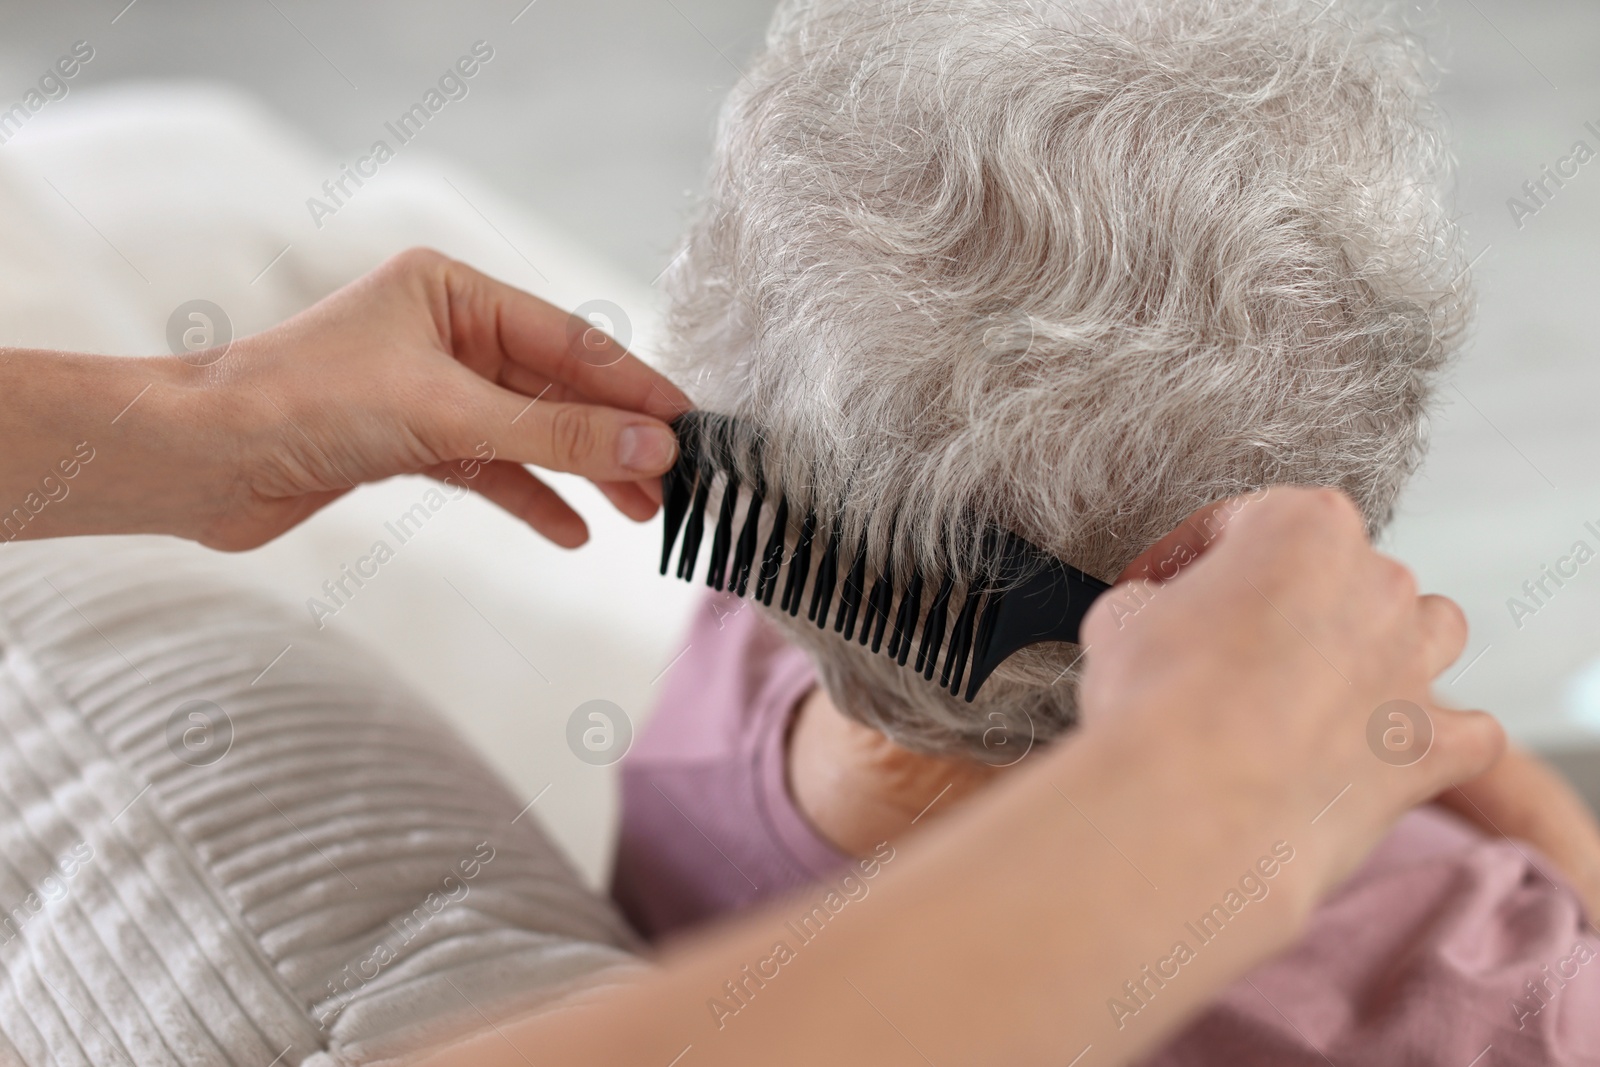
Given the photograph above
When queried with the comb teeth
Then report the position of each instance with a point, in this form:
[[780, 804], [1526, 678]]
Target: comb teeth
[[677, 488], [960, 644], [722, 537], [878, 608], [905, 622], [771, 556], [827, 578], [799, 565], [850, 600], [696, 528], [744, 552], [933, 629], [1023, 596]]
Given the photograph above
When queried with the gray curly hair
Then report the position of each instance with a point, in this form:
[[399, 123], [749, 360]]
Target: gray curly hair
[[1071, 268]]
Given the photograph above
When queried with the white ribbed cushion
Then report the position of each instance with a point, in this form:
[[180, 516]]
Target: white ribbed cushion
[[224, 902]]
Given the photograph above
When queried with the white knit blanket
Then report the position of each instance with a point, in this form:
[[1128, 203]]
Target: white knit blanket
[[213, 851]]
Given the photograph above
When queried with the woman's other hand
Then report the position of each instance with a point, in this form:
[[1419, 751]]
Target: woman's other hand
[[1518, 797], [1311, 637], [1523, 797], [1226, 733]]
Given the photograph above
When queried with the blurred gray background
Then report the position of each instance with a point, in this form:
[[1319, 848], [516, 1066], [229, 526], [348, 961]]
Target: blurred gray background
[[596, 112], [598, 116]]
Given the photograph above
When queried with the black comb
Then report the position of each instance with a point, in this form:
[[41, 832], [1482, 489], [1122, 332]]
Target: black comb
[[1023, 596]]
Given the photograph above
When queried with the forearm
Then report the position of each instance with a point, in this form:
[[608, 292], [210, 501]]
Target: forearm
[[1000, 936], [98, 444]]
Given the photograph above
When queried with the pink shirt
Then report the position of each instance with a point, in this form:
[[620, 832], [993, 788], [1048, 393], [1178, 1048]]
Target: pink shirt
[[1445, 948]]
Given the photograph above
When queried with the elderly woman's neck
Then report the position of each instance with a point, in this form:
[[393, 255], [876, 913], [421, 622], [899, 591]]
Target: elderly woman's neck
[[859, 788]]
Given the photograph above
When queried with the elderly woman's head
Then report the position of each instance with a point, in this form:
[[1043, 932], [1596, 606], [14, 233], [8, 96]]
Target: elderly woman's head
[[1071, 268]]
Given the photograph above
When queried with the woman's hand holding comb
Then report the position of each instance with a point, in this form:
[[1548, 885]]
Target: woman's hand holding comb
[[423, 366]]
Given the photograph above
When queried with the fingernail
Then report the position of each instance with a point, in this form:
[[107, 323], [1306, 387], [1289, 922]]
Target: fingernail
[[646, 449]]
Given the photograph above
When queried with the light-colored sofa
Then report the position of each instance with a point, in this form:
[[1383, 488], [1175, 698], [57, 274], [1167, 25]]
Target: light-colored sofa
[[230, 831]]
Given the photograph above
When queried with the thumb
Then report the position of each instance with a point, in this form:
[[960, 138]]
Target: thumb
[[1464, 745], [600, 443]]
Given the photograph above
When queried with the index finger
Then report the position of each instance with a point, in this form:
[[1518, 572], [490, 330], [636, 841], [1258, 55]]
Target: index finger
[[559, 345]]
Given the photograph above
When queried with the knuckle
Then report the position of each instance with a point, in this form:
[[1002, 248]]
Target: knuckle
[[1469, 741], [1335, 507], [571, 434], [1321, 511], [1454, 619], [1324, 524], [418, 258], [1396, 580]]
